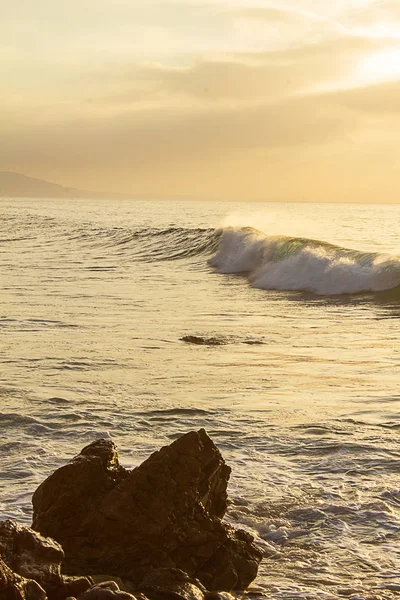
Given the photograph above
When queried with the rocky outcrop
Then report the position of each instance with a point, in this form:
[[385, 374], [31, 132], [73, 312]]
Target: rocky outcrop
[[166, 513]]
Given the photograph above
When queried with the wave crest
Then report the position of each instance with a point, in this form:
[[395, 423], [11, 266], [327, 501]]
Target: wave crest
[[289, 263]]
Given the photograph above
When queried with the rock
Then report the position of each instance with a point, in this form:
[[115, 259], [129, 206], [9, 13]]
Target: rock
[[103, 578], [219, 596], [73, 586], [108, 590], [168, 578], [203, 341], [171, 584], [30, 555], [166, 513], [75, 490], [15, 587]]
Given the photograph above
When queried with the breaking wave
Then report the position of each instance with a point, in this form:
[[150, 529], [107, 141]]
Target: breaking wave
[[269, 262], [293, 263]]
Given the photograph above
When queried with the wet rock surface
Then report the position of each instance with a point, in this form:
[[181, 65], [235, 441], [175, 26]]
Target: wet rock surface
[[30, 555], [30, 567], [76, 489], [73, 586], [166, 513], [15, 587], [171, 584], [107, 590]]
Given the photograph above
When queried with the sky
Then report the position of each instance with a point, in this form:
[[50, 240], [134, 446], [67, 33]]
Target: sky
[[288, 100]]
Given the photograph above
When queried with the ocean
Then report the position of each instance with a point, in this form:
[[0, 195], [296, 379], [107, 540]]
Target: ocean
[[273, 326]]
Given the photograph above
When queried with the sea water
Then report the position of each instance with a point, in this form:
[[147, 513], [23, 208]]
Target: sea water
[[274, 326]]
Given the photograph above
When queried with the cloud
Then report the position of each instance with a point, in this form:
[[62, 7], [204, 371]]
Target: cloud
[[242, 101], [324, 147], [145, 142], [292, 21], [209, 81], [379, 19], [380, 100], [230, 79]]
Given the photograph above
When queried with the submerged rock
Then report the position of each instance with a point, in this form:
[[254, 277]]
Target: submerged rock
[[204, 341], [166, 513]]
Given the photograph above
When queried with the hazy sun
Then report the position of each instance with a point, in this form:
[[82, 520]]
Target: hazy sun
[[382, 66]]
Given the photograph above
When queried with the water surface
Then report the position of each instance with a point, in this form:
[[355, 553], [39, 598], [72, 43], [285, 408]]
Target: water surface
[[299, 386]]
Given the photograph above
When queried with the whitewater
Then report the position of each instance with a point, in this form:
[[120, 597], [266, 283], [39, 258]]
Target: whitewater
[[273, 326], [289, 263]]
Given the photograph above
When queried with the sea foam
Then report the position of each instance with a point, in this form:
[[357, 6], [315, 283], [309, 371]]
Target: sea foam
[[294, 263]]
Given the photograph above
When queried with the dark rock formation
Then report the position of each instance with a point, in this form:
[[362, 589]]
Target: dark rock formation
[[166, 513], [15, 587], [30, 555]]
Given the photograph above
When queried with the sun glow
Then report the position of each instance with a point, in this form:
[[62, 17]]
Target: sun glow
[[382, 66]]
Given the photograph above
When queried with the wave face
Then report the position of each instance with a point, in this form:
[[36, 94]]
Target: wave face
[[291, 263], [154, 244]]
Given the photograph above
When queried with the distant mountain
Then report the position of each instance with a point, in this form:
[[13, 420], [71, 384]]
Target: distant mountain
[[16, 185]]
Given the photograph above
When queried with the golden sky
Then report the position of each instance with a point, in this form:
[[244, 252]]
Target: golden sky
[[223, 99]]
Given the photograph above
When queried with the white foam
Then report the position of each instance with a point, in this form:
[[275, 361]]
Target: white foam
[[300, 264]]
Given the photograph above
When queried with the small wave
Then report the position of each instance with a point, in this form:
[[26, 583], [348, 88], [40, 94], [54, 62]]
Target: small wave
[[15, 420], [168, 412], [301, 264], [33, 324]]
